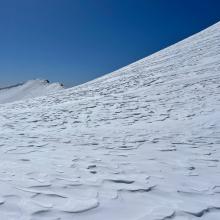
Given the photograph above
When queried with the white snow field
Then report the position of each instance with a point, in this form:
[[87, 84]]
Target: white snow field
[[141, 143], [30, 89]]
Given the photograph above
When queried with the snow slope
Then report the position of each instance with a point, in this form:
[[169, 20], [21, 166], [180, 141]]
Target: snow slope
[[141, 143], [30, 89]]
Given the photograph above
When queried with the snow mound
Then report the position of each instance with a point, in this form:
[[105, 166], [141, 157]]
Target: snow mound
[[141, 143], [30, 89]]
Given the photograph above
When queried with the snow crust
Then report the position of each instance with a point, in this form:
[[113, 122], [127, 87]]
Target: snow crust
[[30, 89], [141, 143]]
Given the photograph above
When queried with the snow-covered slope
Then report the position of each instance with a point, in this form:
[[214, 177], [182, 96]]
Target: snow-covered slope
[[141, 143], [30, 89]]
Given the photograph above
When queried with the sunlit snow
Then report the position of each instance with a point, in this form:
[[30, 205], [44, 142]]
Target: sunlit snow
[[141, 143]]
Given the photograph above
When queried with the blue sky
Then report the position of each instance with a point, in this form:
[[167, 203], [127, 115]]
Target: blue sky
[[74, 41]]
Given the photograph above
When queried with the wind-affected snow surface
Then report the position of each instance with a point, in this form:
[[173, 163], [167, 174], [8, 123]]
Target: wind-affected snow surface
[[141, 143]]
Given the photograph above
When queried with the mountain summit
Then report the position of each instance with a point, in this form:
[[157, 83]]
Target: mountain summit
[[141, 143], [29, 89]]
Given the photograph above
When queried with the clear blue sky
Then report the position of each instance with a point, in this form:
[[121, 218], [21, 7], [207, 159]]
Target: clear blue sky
[[73, 41]]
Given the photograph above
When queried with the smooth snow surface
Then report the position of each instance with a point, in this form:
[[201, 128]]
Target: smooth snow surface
[[141, 143], [30, 89]]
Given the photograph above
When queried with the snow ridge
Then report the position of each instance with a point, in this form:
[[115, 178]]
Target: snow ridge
[[29, 89]]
